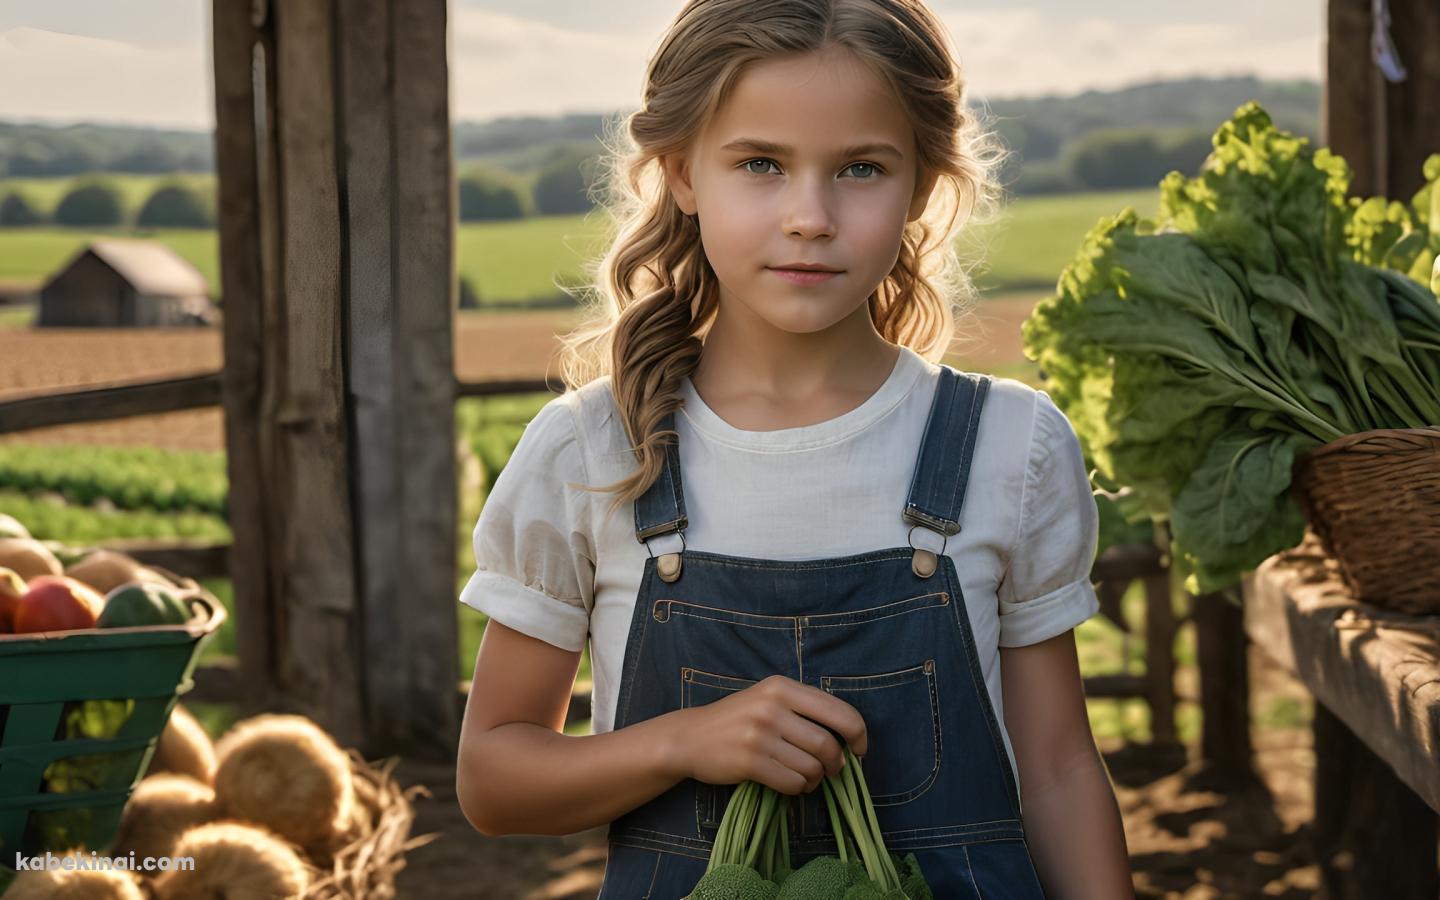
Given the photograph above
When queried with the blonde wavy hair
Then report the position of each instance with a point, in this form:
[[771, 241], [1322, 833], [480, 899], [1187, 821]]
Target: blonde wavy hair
[[652, 297]]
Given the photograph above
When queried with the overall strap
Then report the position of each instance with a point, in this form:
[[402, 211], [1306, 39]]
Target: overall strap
[[942, 469], [661, 509]]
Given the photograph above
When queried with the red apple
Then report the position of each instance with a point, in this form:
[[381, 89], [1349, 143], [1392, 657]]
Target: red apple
[[12, 588], [57, 603]]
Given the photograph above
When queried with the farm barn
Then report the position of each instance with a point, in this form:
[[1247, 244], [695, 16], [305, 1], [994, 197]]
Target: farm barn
[[125, 284]]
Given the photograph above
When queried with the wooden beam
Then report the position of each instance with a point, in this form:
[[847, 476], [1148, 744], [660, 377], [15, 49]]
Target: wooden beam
[[1412, 106], [244, 76], [1115, 686], [192, 559], [398, 190], [97, 404], [1126, 562], [1372, 836], [307, 490], [497, 388], [1221, 648], [1160, 628], [1384, 129], [1349, 121]]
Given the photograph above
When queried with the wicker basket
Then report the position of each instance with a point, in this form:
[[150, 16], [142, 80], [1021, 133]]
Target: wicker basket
[[46, 680], [366, 867], [1374, 500]]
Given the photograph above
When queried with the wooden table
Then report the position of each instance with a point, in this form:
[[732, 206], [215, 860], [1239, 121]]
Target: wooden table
[[1376, 679]]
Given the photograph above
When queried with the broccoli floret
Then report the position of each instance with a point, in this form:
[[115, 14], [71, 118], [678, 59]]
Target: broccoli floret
[[732, 881], [867, 890], [855, 873], [912, 880], [822, 878]]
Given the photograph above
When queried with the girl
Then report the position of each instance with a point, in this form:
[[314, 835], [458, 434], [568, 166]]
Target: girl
[[826, 535]]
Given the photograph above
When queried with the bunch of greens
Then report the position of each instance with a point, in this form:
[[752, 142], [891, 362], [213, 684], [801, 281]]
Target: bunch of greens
[[1389, 234], [751, 856], [1199, 356]]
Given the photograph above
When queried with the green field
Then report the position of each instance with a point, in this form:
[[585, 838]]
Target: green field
[[34, 254], [525, 259]]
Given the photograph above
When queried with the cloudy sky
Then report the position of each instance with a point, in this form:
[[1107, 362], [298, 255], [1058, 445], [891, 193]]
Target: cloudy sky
[[148, 61]]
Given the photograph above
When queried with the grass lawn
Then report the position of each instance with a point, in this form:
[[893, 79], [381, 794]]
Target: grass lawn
[[34, 254], [1038, 236]]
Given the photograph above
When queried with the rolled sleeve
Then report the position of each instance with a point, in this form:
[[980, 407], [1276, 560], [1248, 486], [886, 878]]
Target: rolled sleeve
[[534, 556], [1046, 589]]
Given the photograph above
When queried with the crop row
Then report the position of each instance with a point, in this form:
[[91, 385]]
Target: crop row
[[132, 478]]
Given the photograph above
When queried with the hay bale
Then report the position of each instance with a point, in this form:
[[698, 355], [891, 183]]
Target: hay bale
[[185, 748], [285, 773], [236, 861], [75, 884], [160, 810]]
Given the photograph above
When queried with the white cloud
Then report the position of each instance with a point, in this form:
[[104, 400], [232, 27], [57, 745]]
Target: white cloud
[[56, 76], [503, 64], [1024, 52], [507, 64]]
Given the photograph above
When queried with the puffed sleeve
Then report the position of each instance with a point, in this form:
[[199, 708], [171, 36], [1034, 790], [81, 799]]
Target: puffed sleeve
[[534, 556], [1046, 588]]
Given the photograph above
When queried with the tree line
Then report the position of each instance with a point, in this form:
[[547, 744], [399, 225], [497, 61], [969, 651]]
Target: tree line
[[483, 194]]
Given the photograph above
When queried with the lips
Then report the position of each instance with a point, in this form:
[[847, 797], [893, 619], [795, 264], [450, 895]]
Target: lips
[[803, 276]]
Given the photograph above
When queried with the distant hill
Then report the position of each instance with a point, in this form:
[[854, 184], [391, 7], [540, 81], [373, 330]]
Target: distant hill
[[1044, 132], [33, 150], [1051, 121]]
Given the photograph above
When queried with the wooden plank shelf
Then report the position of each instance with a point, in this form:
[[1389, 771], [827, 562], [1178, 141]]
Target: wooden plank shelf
[[1375, 675], [1378, 671]]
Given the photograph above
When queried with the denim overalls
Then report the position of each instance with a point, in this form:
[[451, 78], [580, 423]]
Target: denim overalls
[[886, 631]]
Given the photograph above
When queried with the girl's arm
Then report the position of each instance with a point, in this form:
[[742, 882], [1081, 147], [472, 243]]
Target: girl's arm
[[1072, 822], [518, 773]]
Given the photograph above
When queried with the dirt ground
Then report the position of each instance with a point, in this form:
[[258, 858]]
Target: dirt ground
[[1191, 834]]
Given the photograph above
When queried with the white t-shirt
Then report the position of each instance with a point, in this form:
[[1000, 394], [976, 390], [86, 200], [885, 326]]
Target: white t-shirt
[[549, 567]]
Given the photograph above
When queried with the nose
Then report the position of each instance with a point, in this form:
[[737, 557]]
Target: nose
[[808, 210]]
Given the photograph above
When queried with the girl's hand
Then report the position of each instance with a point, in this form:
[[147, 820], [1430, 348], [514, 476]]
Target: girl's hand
[[773, 732]]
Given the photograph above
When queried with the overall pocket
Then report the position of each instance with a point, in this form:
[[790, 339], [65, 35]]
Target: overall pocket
[[902, 722], [697, 689]]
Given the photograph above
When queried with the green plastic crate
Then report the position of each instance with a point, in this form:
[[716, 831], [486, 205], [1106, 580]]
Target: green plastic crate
[[44, 681]]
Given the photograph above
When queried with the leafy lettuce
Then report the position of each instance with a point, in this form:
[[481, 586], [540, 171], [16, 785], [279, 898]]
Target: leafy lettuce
[[1263, 314]]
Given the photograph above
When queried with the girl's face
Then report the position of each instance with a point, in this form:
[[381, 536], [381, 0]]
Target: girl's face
[[810, 160]]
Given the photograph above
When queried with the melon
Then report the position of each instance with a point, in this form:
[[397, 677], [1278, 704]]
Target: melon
[[28, 558], [105, 570]]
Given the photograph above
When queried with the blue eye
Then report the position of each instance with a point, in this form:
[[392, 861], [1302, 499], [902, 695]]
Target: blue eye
[[874, 170]]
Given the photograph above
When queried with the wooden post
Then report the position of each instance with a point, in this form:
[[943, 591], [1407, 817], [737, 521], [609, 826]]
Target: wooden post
[[1220, 644], [337, 261], [1373, 836], [1160, 658], [1385, 129]]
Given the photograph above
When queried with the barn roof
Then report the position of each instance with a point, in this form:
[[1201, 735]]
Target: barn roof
[[150, 267]]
